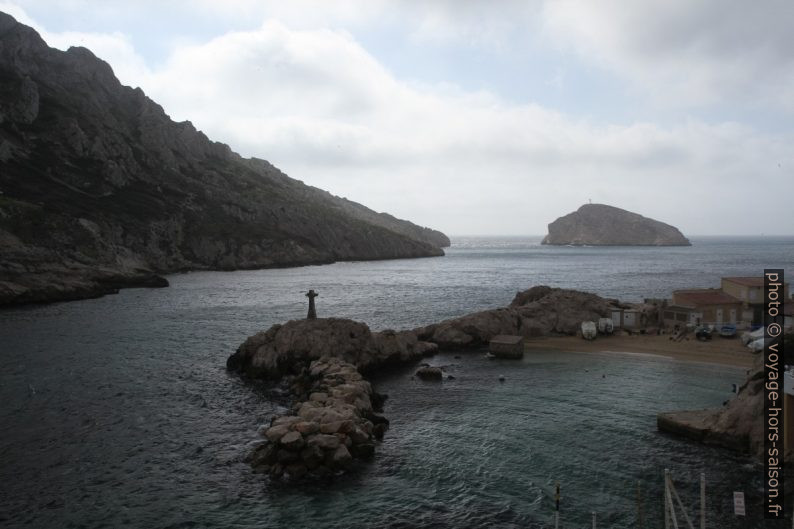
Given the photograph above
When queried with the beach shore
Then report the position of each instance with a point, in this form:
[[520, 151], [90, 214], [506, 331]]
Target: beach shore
[[716, 351]]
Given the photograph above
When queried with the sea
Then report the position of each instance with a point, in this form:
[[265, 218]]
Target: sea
[[119, 411]]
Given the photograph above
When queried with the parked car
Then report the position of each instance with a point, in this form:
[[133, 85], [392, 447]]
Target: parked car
[[728, 331]]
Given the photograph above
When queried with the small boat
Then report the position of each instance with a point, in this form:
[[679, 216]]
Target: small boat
[[728, 331], [490, 356], [748, 337], [757, 345], [589, 331]]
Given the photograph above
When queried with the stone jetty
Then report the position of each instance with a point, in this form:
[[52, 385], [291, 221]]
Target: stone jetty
[[334, 419], [327, 430]]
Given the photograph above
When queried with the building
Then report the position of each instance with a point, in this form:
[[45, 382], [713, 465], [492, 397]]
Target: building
[[625, 318], [706, 306], [750, 291], [673, 315]]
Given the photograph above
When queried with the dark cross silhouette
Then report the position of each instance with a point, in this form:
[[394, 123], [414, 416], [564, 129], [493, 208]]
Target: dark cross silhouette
[[311, 294]]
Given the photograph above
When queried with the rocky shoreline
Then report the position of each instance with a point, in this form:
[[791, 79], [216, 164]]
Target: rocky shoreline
[[71, 285], [333, 421], [736, 426], [100, 189]]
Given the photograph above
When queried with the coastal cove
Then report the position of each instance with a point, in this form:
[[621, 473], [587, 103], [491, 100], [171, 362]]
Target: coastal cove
[[122, 411]]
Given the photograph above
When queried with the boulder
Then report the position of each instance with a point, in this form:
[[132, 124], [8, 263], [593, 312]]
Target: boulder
[[296, 470], [306, 428], [291, 347], [313, 455], [292, 441], [363, 450], [430, 373], [340, 458], [324, 441], [275, 433]]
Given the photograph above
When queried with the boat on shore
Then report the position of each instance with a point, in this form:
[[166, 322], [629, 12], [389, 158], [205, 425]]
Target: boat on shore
[[589, 331], [606, 326], [728, 331]]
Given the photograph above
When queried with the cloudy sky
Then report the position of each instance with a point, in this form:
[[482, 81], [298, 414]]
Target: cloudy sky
[[478, 117]]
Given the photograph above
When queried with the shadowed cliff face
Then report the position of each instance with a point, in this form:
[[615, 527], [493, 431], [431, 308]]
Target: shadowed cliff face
[[602, 225], [99, 189]]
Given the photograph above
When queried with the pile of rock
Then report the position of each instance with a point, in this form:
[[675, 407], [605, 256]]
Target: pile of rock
[[325, 433], [287, 349], [538, 311]]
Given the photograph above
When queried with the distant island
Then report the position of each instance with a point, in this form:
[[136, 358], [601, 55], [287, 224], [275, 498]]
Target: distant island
[[100, 189], [602, 225]]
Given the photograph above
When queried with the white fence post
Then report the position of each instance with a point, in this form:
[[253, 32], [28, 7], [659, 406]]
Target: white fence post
[[664, 500], [702, 500]]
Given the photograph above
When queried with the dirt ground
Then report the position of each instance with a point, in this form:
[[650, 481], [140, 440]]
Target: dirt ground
[[718, 350]]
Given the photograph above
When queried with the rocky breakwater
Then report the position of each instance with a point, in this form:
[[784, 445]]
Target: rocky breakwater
[[333, 421], [326, 432], [539, 311]]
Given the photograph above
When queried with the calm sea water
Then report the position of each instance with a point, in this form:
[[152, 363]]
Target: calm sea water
[[118, 412]]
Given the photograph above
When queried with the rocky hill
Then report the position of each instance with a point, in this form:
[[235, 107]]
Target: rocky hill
[[602, 225], [100, 189]]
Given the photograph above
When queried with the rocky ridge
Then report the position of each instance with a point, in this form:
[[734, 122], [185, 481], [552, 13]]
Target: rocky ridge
[[602, 225], [100, 189]]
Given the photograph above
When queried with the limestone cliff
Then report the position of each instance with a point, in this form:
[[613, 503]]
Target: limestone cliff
[[100, 189], [602, 225]]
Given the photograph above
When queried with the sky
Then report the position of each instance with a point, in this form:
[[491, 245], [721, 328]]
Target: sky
[[477, 117]]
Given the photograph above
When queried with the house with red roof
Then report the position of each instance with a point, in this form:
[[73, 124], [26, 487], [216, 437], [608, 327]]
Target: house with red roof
[[706, 306], [739, 300]]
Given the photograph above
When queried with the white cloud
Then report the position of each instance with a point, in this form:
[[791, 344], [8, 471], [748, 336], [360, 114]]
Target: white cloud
[[318, 105], [323, 109], [687, 53]]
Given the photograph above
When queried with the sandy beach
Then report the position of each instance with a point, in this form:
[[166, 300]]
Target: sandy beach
[[716, 351]]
